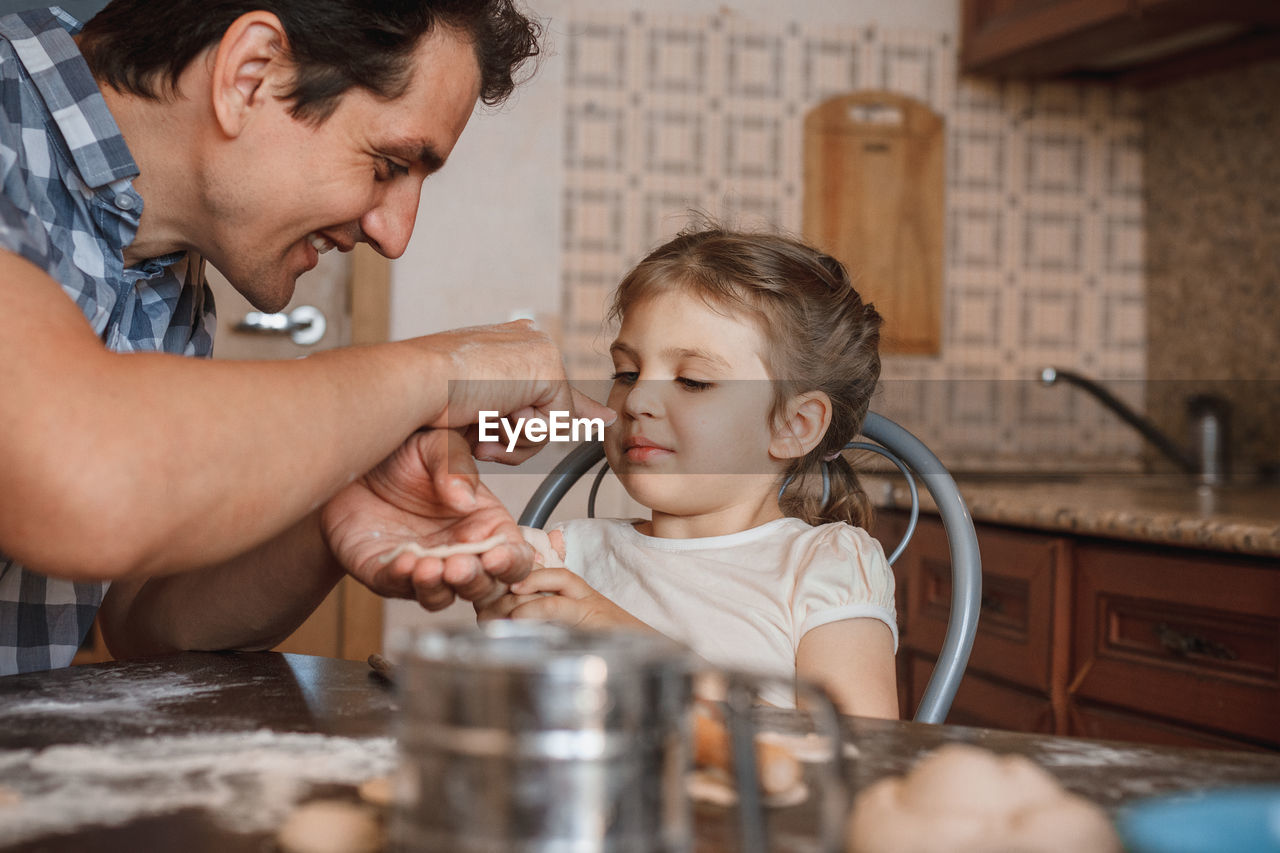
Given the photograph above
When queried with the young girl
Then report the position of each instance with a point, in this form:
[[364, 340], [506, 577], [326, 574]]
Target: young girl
[[743, 365]]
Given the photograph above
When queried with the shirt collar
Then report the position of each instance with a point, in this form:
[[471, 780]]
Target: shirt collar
[[41, 39]]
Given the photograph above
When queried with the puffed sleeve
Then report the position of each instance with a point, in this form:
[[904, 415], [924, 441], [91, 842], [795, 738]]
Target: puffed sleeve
[[841, 574]]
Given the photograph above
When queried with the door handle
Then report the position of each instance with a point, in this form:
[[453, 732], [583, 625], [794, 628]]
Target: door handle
[[305, 324]]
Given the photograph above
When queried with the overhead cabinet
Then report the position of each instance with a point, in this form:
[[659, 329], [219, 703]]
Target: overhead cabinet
[[1145, 41]]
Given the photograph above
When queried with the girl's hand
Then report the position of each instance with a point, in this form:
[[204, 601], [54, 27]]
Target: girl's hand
[[558, 595]]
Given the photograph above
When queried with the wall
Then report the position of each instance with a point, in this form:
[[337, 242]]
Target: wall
[[642, 114], [490, 224], [642, 111], [490, 239], [1213, 220]]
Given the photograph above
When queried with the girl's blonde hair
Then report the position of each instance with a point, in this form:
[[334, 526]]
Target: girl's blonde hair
[[820, 336]]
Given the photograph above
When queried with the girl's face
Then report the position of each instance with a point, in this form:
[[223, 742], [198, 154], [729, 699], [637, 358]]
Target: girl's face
[[693, 398]]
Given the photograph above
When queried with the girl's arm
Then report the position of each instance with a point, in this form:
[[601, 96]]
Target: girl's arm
[[853, 661], [558, 595]]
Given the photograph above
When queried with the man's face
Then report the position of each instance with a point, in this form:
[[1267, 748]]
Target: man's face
[[294, 189]]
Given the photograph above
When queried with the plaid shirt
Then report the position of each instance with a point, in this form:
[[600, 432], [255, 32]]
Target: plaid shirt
[[69, 207]]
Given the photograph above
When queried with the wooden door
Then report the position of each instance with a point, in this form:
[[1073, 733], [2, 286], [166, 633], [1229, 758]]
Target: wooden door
[[347, 295], [353, 293]]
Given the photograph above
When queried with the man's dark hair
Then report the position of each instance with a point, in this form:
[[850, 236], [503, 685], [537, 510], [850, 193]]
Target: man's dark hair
[[143, 46]]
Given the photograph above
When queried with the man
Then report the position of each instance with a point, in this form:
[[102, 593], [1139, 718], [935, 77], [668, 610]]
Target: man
[[216, 503]]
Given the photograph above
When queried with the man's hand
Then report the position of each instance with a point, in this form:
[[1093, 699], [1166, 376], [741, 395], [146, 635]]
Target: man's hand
[[560, 596], [427, 493], [496, 451], [512, 369]]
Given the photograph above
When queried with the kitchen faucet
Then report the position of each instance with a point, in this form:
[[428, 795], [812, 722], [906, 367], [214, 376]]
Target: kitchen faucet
[[1209, 420]]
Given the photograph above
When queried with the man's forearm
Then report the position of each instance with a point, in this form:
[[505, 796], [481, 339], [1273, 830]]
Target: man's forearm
[[213, 456], [253, 601]]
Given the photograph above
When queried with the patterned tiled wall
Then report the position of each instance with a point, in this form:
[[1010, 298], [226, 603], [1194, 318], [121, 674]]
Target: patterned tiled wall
[[1044, 250]]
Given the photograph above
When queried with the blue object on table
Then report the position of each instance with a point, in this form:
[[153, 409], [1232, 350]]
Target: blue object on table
[[1238, 820]]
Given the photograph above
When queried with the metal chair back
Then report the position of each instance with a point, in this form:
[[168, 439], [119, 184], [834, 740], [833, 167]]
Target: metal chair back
[[916, 461]]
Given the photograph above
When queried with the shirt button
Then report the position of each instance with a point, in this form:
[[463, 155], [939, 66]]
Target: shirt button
[[124, 202]]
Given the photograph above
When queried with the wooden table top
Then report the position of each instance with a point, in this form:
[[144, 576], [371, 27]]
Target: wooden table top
[[209, 752]]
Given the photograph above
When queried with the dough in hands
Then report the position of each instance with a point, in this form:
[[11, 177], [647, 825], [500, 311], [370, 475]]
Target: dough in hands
[[331, 826], [443, 551], [964, 799], [377, 791]]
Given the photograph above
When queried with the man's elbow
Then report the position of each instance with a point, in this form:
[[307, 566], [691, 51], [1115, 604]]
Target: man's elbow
[[79, 544]]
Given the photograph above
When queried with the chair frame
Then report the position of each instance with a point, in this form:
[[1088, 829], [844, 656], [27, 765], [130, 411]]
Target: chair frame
[[962, 539]]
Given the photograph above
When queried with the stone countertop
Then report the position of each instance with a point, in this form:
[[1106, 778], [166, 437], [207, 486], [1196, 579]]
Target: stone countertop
[[1158, 509]]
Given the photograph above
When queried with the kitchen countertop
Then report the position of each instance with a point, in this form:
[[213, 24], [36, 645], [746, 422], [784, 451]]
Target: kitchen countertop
[[1157, 509], [210, 752]]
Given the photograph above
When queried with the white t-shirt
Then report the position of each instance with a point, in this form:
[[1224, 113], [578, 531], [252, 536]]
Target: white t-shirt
[[740, 601]]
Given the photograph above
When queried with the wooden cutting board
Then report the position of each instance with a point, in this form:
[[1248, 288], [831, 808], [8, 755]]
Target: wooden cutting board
[[873, 198]]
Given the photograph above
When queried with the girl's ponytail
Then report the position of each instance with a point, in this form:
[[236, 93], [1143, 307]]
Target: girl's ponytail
[[846, 500]]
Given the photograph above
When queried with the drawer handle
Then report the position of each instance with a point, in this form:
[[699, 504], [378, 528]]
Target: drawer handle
[[992, 604], [1182, 644]]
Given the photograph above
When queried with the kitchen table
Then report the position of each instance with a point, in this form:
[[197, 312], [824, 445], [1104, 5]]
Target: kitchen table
[[211, 751]]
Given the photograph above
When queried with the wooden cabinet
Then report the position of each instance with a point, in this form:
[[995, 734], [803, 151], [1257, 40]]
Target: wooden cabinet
[[1186, 639], [1016, 659], [1099, 638], [985, 701], [1145, 40], [1100, 721], [1017, 625]]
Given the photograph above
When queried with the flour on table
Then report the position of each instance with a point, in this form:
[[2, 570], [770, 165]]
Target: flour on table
[[247, 781], [1087, 754], [117, 695]]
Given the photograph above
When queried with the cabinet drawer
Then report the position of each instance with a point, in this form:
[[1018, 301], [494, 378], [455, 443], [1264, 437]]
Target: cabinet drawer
[[1015, 626], [1109, 724], [986, 703], [1193, 639]]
